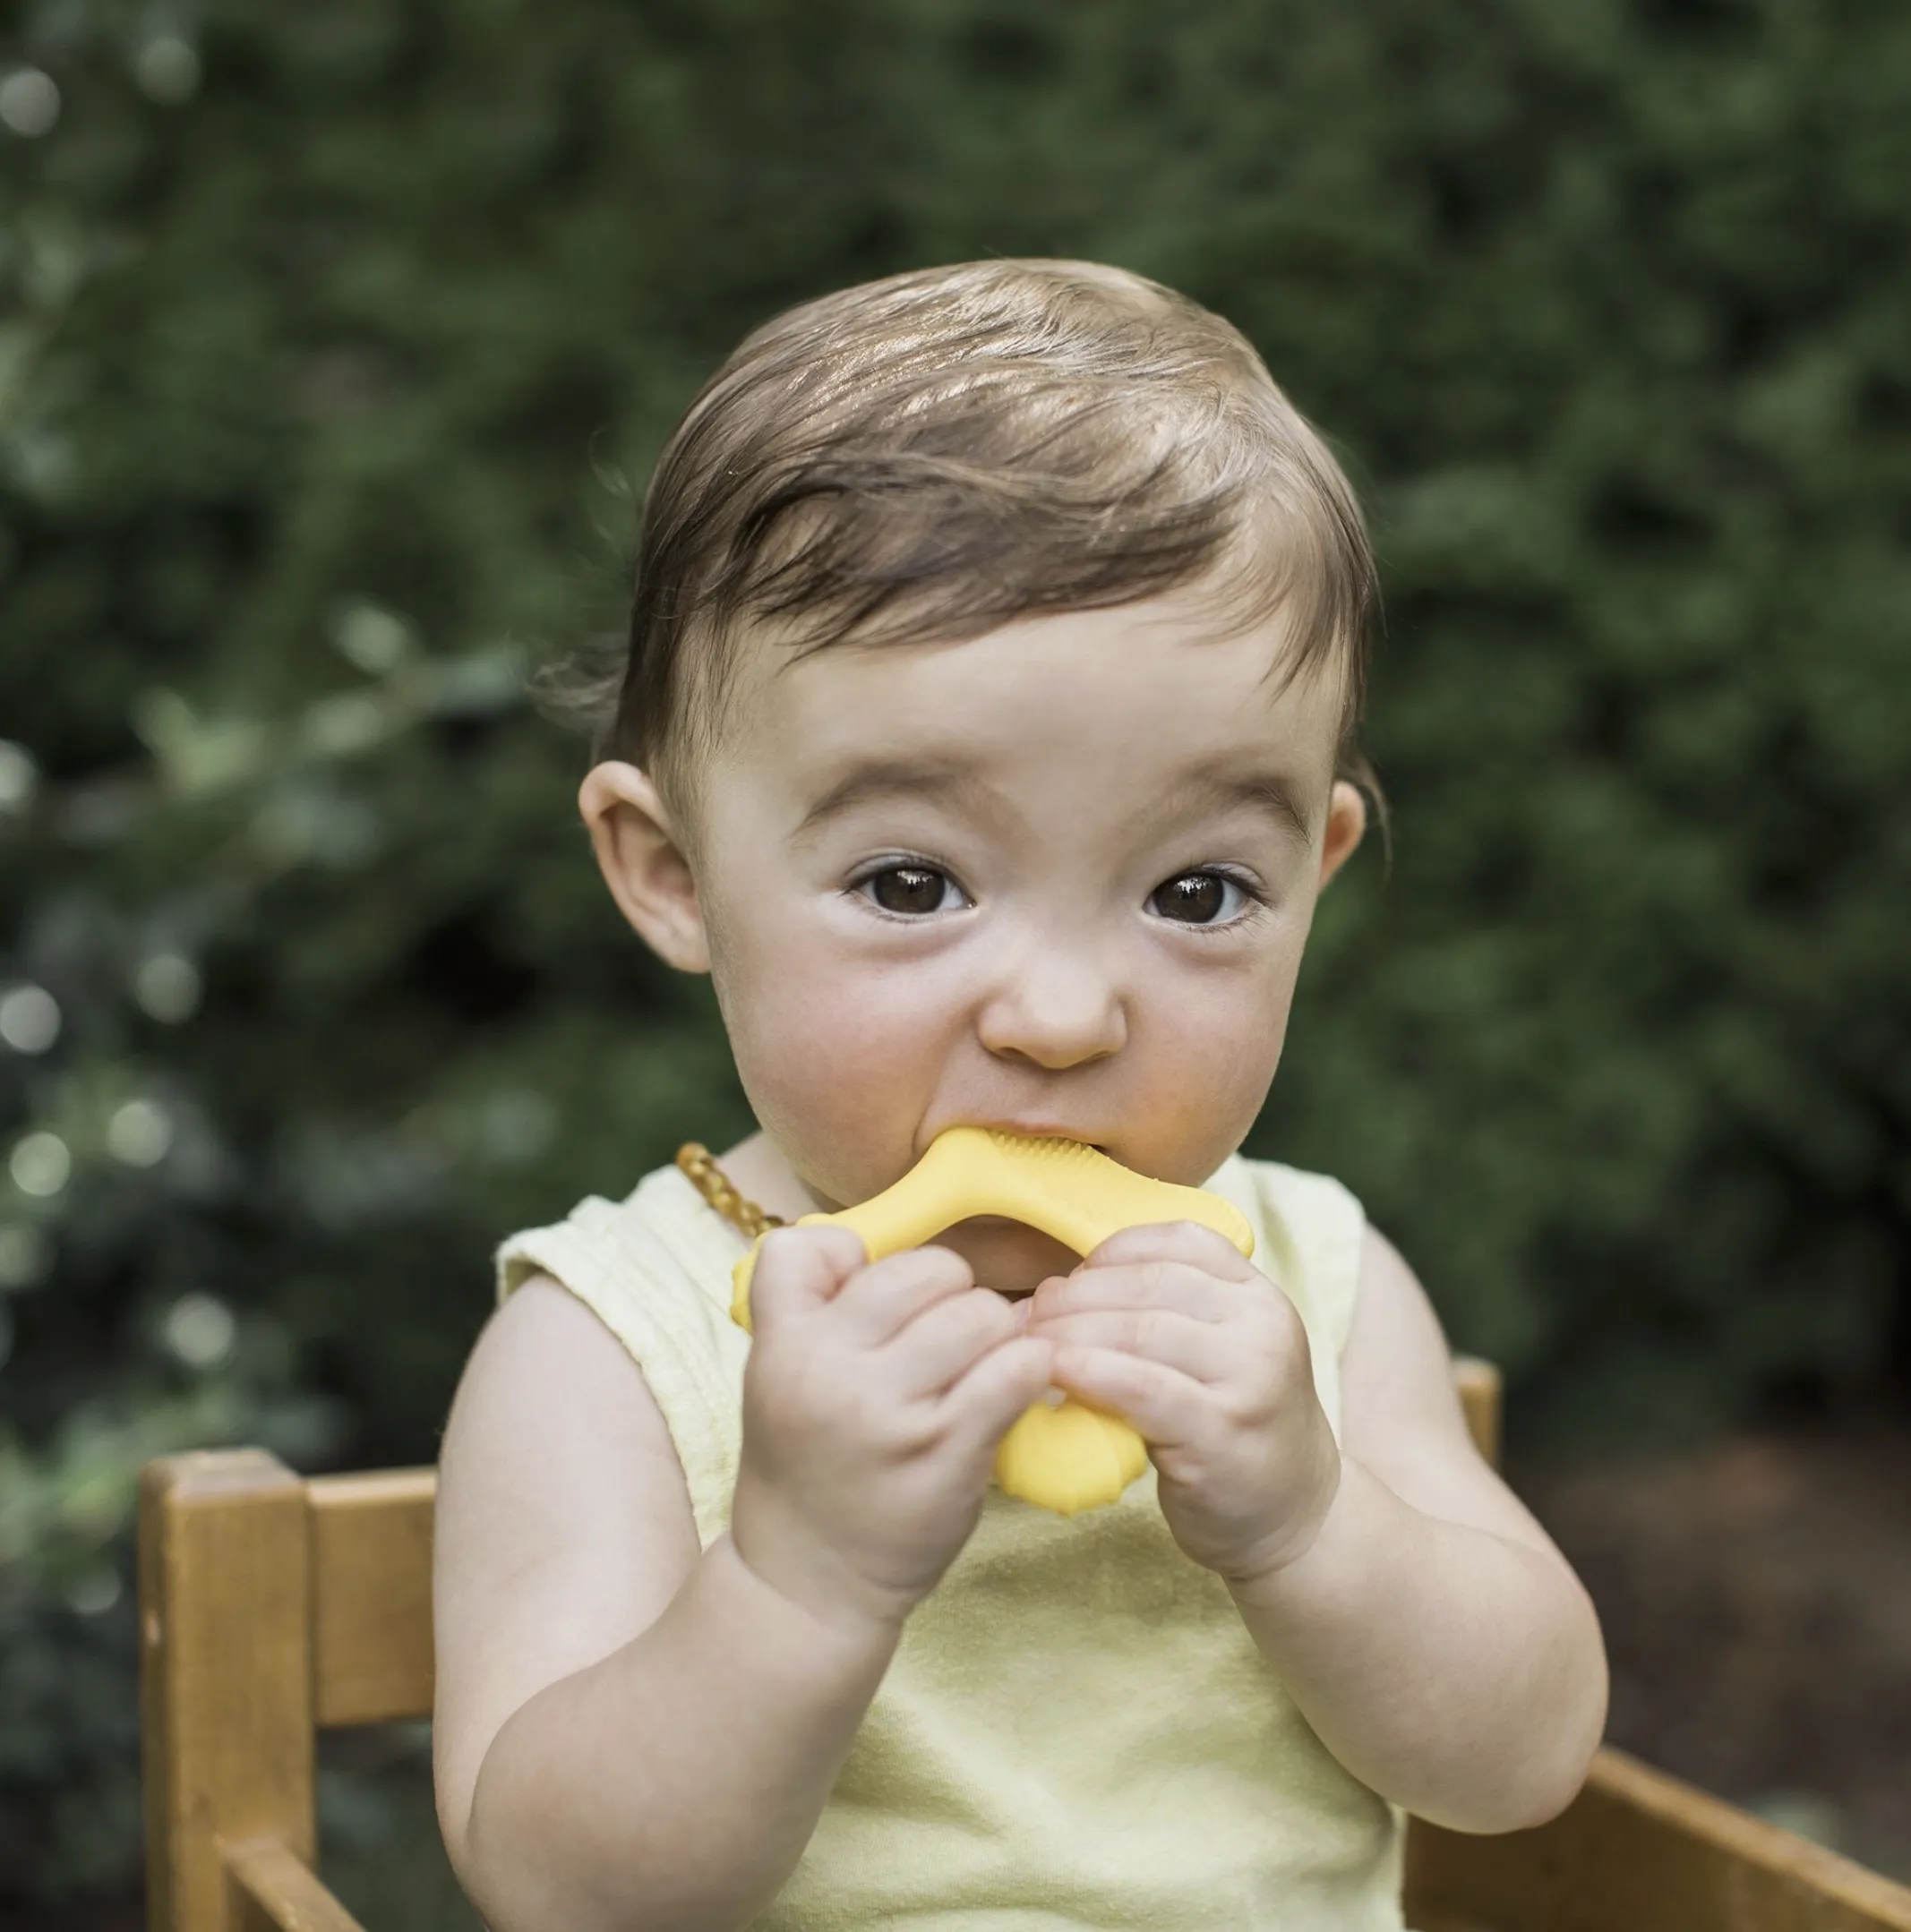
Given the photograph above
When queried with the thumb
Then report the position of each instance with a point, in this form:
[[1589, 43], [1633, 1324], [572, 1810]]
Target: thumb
[[798, 1269]]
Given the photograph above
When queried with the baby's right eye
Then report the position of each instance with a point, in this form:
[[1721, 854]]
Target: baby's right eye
[[909, 890]]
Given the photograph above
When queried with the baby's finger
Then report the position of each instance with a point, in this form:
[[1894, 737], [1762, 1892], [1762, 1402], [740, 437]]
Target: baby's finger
[[1205, 1352], [948, 1338], [1164, 1407], [878, 1302], [1188, 1242], [800, 1269], [980, 1404], [1193, 1292]]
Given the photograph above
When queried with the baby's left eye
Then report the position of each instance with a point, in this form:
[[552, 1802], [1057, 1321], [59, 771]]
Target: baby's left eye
[[911, 890], [1201, 899]]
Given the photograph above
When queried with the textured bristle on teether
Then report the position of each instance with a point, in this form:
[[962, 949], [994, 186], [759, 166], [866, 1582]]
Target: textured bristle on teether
[[1070, 1457]]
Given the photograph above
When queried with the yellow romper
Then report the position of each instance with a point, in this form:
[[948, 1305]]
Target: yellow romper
[[1077, 1730]]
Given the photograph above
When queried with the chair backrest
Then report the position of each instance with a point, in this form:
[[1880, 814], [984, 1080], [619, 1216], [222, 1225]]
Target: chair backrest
[[273, 1607], [270, 1608]]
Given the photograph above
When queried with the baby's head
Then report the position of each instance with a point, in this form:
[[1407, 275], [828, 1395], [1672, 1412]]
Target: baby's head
[[989, 726]]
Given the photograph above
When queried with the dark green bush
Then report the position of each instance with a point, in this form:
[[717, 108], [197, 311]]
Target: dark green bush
[[327, 335]]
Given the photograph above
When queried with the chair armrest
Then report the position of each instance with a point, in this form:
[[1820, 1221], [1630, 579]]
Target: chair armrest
[[1640, 1851], [278, 1892]]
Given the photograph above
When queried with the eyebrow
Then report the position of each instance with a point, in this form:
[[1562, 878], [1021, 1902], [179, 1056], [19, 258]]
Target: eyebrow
[[1264, 791], [892, 778]]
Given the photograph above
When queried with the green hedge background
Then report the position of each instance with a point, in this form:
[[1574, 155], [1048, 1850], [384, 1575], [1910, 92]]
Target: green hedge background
[[334, 344]]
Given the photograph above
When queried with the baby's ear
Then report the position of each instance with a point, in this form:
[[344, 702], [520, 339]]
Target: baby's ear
[[1346, 826], [642, 858]]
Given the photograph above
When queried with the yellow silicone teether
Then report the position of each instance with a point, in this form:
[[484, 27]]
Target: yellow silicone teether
[[1067, 1458]]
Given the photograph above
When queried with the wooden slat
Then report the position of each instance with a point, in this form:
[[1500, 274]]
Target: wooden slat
[[1479, 1386], [277, 1892], [1640, 1851], [225, 1674], [371, 1595]]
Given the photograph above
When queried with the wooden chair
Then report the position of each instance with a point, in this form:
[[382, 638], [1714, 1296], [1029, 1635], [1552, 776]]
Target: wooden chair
[[271, 1607]]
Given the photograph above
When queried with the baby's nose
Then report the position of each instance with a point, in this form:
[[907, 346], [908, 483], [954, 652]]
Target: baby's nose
[[1058, 1008]]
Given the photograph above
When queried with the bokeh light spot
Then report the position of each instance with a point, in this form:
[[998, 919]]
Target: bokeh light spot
[[40, 1165], [200, 1329], [166, 70], [372, 639], [168, 987], [29, 103], [139, 1133], [30, 1018], [94, 1591], [19, 776]]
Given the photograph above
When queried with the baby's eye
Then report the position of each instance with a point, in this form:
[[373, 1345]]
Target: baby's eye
[[911, 889], [1202, 899]]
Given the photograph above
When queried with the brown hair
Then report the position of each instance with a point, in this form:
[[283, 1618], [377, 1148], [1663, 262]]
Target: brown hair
[[936, 454]]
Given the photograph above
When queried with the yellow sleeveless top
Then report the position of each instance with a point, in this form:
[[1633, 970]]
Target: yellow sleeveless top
[[1077, 1730]]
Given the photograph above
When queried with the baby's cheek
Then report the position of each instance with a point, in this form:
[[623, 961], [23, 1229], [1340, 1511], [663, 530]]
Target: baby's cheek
[[838, 1075], [1203, 1092]]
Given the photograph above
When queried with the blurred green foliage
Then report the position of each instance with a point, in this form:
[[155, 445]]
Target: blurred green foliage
[[329, 337]]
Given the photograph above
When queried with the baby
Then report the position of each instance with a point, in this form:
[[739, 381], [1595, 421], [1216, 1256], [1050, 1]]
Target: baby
[[989, 734]]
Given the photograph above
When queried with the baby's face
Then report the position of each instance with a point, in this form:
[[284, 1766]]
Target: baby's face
[[1055, 880]]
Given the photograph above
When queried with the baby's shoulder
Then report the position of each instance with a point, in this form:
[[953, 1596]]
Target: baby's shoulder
[[1296, 1210], [654, 1269], [657, 1248]]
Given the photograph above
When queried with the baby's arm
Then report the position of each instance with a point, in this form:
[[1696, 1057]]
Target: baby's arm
[[629, 1734], [1431, 1633], [1423, 1622]]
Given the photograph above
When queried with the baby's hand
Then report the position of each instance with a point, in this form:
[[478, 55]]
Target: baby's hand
[[873, 1401], [1169, 1328]]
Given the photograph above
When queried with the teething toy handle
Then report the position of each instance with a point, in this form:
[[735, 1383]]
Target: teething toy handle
[[1072, 1192], [1067, 1458]]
